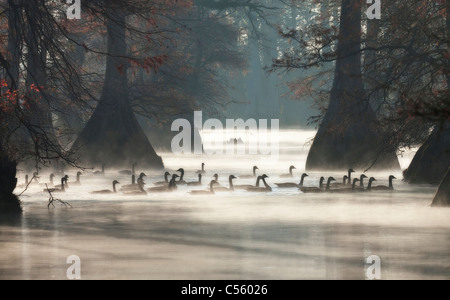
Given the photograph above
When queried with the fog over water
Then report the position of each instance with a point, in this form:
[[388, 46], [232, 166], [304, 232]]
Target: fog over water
[[284, 234]]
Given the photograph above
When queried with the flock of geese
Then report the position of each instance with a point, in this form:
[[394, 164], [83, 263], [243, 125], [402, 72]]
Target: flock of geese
[[172, 181]]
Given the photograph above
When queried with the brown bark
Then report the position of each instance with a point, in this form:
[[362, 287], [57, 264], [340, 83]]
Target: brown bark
[[442, 197], [348, 136], [9, 203], [432, 160], [113, 135]]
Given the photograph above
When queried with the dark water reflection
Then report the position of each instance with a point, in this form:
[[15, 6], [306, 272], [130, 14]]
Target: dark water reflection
[[191, 240]]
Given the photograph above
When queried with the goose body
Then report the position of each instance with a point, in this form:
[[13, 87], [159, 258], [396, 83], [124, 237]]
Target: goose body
[[250, 176], [181, 180], [166, 180], [385, 188], [106, 192], [216, 178], [292, 184], [327, 188], [135, 192], [129, 172], [347, 189], [100, 173], [61, 189], [338, 184], [289, 175], [134, 186], [202, 171], [64, 183], [208, 192], [170, 186], [224, 189], [248, 186], [78, 181], [196, 183], [264, 189], [349, 175], [313, 189]]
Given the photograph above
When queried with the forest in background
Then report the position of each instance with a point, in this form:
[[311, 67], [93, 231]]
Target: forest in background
[[71, 89]]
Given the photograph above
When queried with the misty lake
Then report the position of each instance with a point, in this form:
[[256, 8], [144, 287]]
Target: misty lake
[[284, 234]]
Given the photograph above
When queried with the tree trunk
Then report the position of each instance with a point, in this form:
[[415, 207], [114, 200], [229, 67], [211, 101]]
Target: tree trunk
[[442, 197], [113, 135], [9, 203], [432, 160], [14, 33], [348, 136]]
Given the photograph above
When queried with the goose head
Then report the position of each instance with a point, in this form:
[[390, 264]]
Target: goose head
[[216, 177], [255, 168], [232, 177], [115, 182], [52, 176], [292, 168], [142, 175], [304, 175], [392, 177]]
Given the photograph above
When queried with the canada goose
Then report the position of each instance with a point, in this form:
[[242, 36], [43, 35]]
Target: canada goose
[[173, 182], [65, 185], [248, 186], [181, 181], [338, 184], [249, 176], [170, 186], [139, 191], [129, 172], [290, 173], [266, 187], [202, 171], [216, 178], [196, 183], [292, 184], [115, 182], [369, 185], [61, 188], [208, 192], [166, 180], [346, 190], [52, 176], [77, 182], [134, 186], [102, 172], [313, 189], [350, 171], [224, 189], [361, 182], [385, 188]]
